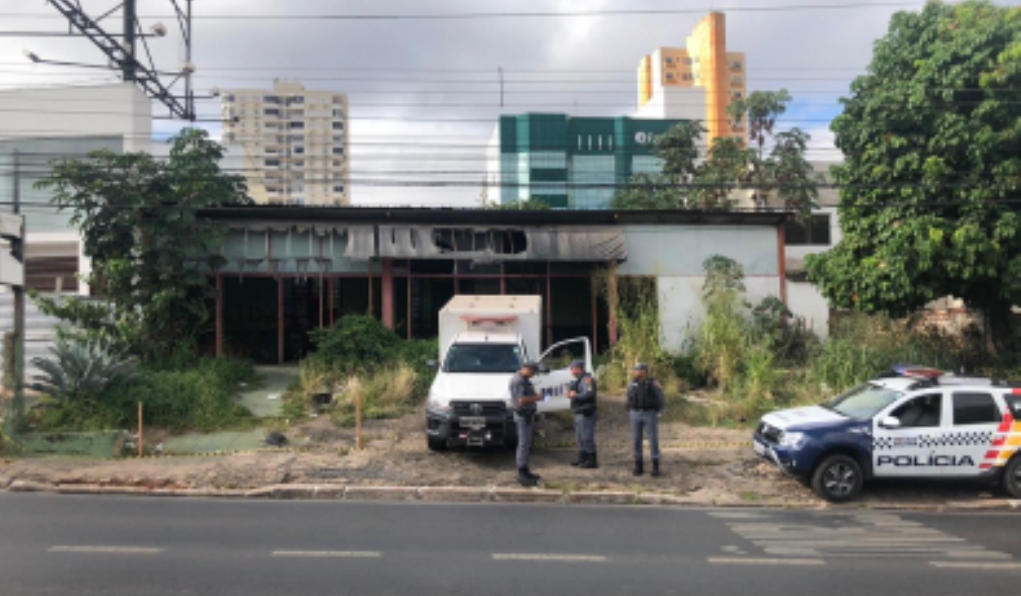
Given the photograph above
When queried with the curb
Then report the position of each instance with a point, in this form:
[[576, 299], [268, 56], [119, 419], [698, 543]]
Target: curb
[[491, 494]]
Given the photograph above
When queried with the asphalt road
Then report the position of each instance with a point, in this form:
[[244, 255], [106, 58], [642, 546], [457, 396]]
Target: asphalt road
[[71, 546]]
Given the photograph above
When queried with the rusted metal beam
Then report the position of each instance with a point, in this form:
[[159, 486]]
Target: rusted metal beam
[[387, 298]]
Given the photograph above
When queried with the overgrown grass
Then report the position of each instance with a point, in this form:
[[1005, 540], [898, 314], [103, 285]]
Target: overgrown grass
[[746, 361], [387, 393], [637, 313], [361, 357], [199, 397]]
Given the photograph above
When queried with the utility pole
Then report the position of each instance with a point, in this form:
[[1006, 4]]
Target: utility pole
[[128, 66], [18, 251]]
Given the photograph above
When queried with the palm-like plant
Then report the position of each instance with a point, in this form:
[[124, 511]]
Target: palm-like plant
[[80, 370]]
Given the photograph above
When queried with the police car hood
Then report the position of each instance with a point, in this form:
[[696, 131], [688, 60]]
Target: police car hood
[[448, 387], [800, 418]]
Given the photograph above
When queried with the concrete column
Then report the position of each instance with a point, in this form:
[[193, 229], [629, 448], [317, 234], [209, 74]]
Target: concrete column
[[387, 298]]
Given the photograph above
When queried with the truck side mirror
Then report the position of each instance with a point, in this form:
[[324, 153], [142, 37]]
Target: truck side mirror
[[432, 364], [543, 369], [889, 422]]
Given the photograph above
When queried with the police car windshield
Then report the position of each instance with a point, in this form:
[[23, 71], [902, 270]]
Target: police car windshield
[[483, 358], [864, 401]]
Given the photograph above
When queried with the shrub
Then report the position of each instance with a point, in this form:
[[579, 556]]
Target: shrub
[[356, 344], [721, 340], [358, 351], [81, 371], [637, 308], [199, 398]]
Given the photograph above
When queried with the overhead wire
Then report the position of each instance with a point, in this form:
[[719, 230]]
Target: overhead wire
[[326, 17]]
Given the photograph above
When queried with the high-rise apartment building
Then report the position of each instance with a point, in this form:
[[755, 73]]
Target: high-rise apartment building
[[291, 142], [696, 82]]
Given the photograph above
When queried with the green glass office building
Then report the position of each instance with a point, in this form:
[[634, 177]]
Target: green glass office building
[[569, 162]]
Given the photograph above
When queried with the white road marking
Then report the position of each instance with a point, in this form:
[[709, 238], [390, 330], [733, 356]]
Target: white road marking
[[549, 557], [745, 561], [983, 566], [353, 554], [857, 535], [117, 550]]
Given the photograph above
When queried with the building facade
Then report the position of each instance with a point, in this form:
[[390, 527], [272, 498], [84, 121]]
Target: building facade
[[291, 270], [291, 143], [569, 162], [696, 82], [43, 124]]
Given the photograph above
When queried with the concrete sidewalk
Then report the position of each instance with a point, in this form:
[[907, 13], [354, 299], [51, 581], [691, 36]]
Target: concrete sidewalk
[[265, 400]]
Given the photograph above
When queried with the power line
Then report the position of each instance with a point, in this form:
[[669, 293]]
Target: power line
[[509, 15]]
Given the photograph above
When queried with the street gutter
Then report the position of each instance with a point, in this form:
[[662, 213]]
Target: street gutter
[[492, 494]]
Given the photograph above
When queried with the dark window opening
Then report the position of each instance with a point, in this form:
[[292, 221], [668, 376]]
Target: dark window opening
[[920, 412], [975, 408], [815, 232]]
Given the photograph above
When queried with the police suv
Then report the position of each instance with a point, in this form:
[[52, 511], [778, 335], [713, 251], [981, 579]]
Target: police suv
[[915, 422]]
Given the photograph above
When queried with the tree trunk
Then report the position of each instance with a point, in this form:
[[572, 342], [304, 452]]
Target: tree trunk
[[999, 330]]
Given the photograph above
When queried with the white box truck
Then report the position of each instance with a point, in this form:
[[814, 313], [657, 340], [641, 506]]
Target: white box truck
[[483, 341]]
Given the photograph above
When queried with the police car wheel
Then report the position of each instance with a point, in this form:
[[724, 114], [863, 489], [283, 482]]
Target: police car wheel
[[1012, 477], [437, 444], [837, 479]]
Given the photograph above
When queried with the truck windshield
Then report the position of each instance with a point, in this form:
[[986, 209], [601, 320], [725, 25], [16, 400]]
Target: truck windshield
[[483, 358], [864, 401]]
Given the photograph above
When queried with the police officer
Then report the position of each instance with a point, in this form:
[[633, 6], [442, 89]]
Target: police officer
[[523, 400], [582, 393], [645, 402]]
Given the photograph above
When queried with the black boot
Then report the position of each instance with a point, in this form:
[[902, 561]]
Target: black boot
[[580, 461], [524, 479], [532, 476], [590, 462], [638, 468], [655, 468]]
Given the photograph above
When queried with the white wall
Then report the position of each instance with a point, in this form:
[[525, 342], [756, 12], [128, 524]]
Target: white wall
[[118, 112], [674, 256], [119, 109], [680, 305], [808, 304]]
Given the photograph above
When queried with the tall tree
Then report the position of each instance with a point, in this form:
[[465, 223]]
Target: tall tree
[[150, 251], [772, 167], [930, 184]]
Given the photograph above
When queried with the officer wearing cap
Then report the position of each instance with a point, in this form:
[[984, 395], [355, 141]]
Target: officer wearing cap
[[582, 393], [523, 400], [645, 402]]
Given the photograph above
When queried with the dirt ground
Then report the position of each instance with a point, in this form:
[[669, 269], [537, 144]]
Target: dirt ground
[[709, 465]]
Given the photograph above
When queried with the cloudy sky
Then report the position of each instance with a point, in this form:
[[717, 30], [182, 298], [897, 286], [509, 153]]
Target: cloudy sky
[[424, 93]]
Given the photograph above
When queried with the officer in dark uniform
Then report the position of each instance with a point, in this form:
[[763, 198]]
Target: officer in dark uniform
[[523, 400], [645, 402], [582, 393]]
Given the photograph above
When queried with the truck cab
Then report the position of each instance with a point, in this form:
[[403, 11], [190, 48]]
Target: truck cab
[[484, 341]]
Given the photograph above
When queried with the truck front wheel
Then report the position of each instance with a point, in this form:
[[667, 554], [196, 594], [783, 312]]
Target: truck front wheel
[[838, 479], [436, 444]]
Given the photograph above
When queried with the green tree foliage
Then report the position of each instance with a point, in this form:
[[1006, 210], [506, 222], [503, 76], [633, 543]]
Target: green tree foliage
[[780, 174], [648, 191], [150, 251], [932, 144]]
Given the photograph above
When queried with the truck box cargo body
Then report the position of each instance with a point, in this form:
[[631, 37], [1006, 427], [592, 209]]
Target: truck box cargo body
[[506, 315], [483, 341]]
